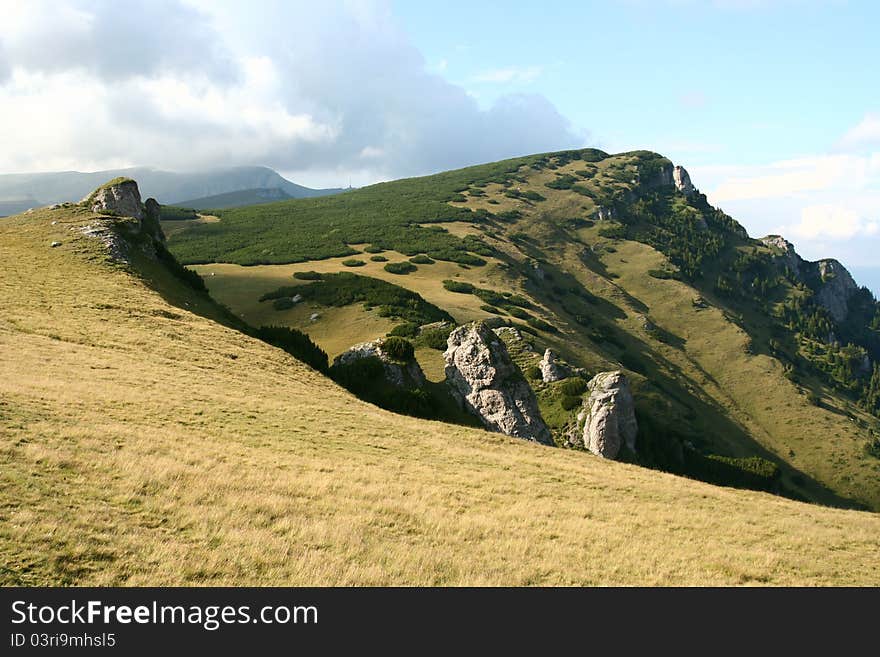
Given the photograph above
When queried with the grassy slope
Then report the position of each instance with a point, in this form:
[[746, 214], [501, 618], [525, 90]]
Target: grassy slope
[[702, 379], [143, 443]]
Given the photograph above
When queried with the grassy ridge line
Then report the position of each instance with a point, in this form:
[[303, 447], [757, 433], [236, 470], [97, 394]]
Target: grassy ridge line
[[386, 215], [141, 443]]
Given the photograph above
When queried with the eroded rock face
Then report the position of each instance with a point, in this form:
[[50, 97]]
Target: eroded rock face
[[836, 289], [487, 383], [551, 369], [122, 198], [152, 216], [832, 283], [787, 253], [607, 420], [682, 180], [403, 374]]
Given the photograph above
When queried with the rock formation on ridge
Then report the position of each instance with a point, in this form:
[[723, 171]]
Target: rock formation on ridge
[[486, 382]]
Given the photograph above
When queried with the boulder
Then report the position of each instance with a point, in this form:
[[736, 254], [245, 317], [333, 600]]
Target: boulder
[[405, 373], [487, 383], [120, 196], [682, 181], [551, 369], [607, 421]]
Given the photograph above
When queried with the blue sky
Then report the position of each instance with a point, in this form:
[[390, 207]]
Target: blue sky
[[757, 98], [772, 105]]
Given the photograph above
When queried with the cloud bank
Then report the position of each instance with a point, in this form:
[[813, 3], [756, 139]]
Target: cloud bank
[[329, 91]]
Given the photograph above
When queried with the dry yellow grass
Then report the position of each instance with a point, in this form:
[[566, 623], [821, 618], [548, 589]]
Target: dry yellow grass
[[144, 444]]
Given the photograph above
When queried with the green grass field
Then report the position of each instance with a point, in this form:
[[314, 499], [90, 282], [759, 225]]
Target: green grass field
[[694, 370], [144, 443]]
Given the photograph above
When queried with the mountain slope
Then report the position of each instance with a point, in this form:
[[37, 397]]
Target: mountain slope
[[236, 199], [623, 264], [167, 187], [143, 442]]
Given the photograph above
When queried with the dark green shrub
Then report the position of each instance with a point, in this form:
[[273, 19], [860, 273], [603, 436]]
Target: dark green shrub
[[436, 338], [569, 402], [378, 258], [564, 181], [173, 213], [401, 268], [373, 249], [421, 259], [573, 387], [308, 275], [284, 303], [458, 286], [353, 262], [345, 288], [405, 330], [614, 231], [398, 348], [490, 309], [519, 313], [533, 196], [541, 325], [509, 216], [186, 275], [533, 372], [296, 343]]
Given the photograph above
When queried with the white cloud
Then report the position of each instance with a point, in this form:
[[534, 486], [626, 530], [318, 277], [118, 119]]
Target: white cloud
[[832, 222], [865, 133], [303, 87], [510, 75], [796, 176]]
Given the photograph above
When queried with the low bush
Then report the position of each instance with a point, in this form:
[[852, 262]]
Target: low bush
[[458, 286], [378, 258], [569, 402], [541, 325], [346, 288], [421, 259], [296, 343], [353, 262], [435, 338], [401, 268], [308, 276], [398, 348], [405, 330], [573, 387]]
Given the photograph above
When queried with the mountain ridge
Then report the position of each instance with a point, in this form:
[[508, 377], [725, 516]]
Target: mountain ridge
[[167, 187], [730, 355], [193, 454]]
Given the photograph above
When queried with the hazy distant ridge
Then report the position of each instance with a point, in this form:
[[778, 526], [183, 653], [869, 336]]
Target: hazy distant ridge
[[21, 191]]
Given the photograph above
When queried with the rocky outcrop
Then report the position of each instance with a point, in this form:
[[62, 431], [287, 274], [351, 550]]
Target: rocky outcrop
[[607, 421], [830, 280], [682, 180], [403, 373], [837, 286], [786, 253], [551, 369], [119, 201], [604, 213], [511, 336], [487, 383], [120, 197], [152, 216]]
